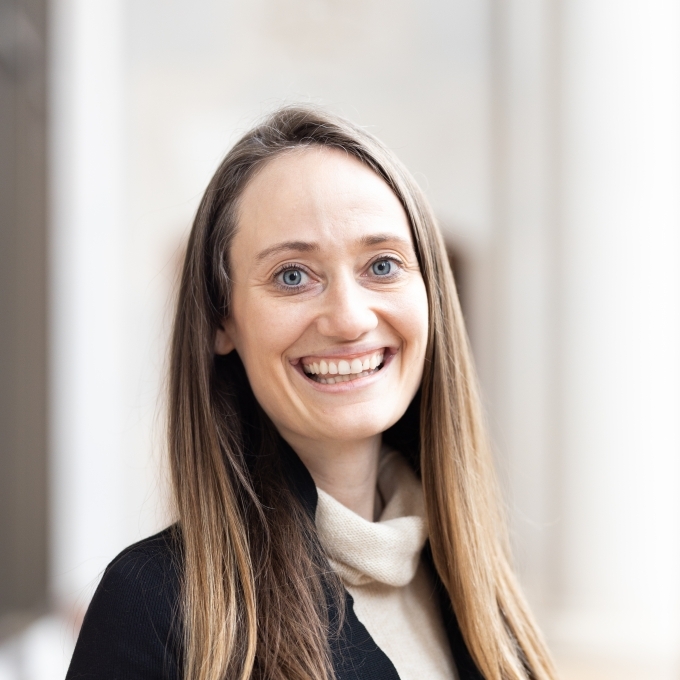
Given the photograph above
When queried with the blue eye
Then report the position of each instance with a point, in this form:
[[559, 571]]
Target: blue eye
[[291, 277], [382, 267]]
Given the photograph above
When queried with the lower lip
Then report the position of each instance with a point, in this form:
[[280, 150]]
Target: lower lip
[[349, 385]]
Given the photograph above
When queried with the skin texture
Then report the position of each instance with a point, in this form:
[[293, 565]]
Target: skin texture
[[358, 288]]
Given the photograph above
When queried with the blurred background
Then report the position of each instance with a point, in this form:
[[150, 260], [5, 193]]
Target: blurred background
[[546, 134]]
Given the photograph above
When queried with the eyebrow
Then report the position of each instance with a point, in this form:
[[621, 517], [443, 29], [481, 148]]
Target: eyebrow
[[306, 246], [298, 246], [377, 239]]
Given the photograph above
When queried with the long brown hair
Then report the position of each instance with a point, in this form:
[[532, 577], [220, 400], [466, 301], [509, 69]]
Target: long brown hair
[[255, 595]]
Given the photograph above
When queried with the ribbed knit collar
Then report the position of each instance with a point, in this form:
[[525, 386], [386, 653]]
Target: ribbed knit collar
[[386, 551]]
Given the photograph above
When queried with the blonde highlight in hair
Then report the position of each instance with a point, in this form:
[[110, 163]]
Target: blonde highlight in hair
[[256, 593]]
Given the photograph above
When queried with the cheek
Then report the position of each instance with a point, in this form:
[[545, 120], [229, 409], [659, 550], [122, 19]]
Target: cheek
[[265, 330], [263, 334], [411, 317]]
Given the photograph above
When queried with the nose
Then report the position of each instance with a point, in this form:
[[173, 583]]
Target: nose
[[347, 313]]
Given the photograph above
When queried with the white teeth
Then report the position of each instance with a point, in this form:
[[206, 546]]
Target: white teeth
[[356, 366], [344, 370]]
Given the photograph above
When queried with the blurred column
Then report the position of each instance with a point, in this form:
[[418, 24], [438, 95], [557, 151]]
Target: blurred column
[[619, 333], [86, 290], [520, 381], [23, 313]]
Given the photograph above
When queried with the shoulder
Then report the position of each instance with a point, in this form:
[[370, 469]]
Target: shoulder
[[132, 627], [146, 574], [151, 559]]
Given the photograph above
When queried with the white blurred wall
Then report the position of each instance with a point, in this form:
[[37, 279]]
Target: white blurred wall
[[547, 136], [619, 296], [584, 377]]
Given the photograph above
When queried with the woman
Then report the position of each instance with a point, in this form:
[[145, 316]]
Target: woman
[[320, 381]]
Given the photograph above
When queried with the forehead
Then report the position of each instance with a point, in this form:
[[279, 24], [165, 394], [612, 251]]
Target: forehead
[[317, 194]]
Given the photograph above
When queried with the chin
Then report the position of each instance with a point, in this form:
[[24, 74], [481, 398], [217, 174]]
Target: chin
[[355, 426]]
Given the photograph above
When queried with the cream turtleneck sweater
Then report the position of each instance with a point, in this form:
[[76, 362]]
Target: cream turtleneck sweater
[[380, 565]]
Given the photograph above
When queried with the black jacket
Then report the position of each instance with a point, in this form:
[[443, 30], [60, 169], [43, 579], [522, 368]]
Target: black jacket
[[131, 629]]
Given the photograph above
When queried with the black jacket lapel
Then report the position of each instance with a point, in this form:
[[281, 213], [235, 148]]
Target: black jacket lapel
[[465, 665]]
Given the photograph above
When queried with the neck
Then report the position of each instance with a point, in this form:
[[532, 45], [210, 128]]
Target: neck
[[348, 471]]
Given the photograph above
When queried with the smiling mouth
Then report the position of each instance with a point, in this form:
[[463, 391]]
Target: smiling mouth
[[331, 371]]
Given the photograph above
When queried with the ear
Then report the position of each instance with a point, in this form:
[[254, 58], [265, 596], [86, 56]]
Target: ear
[[223, 339]]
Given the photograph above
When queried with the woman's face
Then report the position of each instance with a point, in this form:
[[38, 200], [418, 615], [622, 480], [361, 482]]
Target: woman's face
[[329, 309]]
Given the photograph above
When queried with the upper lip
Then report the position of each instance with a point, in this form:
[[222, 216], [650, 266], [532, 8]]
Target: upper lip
[[341, 352]]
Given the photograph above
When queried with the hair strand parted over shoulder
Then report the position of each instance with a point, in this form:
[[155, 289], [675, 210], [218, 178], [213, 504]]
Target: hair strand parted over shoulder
[[254, 601]]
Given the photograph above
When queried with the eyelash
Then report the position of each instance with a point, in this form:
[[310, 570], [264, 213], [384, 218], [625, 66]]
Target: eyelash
[[294, 265], [286, 268], [390, 258]]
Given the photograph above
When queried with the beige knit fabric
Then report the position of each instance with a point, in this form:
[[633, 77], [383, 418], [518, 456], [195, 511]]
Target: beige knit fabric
[[380, 565]]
